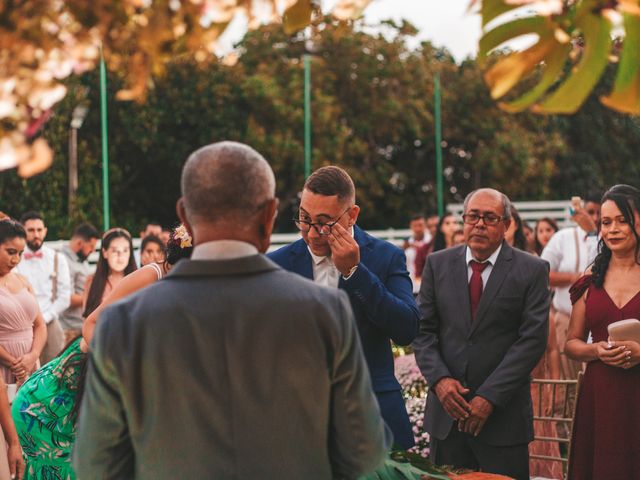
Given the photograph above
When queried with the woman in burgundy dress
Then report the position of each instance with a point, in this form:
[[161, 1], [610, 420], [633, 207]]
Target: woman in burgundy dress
[[606, 434]]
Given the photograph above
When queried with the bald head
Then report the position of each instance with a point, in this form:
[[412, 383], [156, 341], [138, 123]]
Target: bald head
[[224, 182], [504, 200]]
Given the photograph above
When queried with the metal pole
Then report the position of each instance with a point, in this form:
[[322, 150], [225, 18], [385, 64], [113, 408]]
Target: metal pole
[[73, 169], [307, 116], [439, 182], [105, 143]]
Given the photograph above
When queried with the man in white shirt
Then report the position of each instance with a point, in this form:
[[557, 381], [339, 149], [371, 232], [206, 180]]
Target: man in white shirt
[[419, 237], [82, 244], [569, 253], [48, 274]]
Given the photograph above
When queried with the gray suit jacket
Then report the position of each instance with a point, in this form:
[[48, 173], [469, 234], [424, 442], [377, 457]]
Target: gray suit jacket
[[229, 369], [494, 355]]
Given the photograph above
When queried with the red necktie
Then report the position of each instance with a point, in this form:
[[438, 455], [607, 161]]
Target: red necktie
[[475, 285], [29, 256]]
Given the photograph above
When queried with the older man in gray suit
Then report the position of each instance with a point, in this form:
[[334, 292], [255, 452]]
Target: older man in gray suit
[[485, 308], [230, 367]]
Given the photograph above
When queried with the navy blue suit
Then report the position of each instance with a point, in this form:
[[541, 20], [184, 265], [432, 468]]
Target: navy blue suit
[[381, 297]]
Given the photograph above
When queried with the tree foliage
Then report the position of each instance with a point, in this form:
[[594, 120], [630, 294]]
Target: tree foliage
[[372, 113]]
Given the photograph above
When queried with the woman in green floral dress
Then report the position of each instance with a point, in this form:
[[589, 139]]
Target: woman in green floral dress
[[45, 411]]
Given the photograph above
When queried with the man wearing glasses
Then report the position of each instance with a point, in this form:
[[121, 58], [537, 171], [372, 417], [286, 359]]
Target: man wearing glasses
[[335, 252], [484, 309]]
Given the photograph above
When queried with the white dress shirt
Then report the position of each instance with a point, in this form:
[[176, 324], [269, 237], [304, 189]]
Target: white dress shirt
[[40, 274], [223, 250], [560, 252], [487, 270], [324, 271]]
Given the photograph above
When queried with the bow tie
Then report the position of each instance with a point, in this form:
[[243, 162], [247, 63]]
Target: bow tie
[[29, 255]]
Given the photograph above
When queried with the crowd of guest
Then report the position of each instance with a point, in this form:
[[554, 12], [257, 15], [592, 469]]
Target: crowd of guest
[[486, 300], [46, 299]]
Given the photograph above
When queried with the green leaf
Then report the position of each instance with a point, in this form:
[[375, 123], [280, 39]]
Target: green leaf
[[554, 65], [510, 30], [508, 71], [297, 16], [494, 8], [626, 90], [596, 31]]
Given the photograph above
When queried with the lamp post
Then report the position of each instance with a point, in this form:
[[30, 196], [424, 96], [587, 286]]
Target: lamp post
[[77, 118]]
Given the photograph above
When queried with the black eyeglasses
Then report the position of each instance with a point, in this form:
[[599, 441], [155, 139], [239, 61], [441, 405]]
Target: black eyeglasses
[[490, 219], [323, 229]]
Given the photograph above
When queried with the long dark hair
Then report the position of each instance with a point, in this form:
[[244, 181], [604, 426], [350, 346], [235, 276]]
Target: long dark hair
[[94, 297], [519, 238], [439, 242], [77, 361], [537, 245], [627, 199]]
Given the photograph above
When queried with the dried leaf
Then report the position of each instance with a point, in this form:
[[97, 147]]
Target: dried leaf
[[40, 158], [297, 16]]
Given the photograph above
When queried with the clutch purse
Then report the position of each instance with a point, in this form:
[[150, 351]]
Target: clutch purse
[[628, 329]]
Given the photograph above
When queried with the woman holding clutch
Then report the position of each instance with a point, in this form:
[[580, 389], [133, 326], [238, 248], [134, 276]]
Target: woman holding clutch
[[606, 440]]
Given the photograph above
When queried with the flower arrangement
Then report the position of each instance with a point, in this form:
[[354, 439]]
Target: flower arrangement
[[182, 236]]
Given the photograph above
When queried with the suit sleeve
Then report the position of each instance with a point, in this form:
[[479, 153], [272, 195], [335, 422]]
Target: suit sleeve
[[427, 344], [524, 354], [103, 447], [358, 438], [389, 305]]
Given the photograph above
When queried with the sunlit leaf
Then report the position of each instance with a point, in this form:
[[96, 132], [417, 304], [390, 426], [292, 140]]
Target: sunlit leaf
[[507, 72], [626, 91], [554, 65], [508, 31], [297, 16], [596, 32], [348, 9], [491, 9]]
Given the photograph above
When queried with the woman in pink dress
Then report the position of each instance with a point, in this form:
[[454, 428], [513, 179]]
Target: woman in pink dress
[[22, 329], [22, 336], [606, 433]]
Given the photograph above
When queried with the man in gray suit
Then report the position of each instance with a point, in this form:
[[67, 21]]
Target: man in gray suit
[[485, 308], [230, 367]]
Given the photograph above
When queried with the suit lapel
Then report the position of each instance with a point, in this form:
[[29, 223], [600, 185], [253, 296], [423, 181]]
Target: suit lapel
[[496, 279], [461, 279], [301, 260]]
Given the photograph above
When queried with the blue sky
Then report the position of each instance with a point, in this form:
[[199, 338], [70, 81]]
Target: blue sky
[[444, 23]]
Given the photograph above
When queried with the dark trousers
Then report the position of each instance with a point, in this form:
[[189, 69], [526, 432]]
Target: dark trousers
[[394, 413], [465, 451]]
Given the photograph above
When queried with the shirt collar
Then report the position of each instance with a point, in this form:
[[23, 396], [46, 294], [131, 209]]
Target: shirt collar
[[318, 260], [492, 259], [223, 250]]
